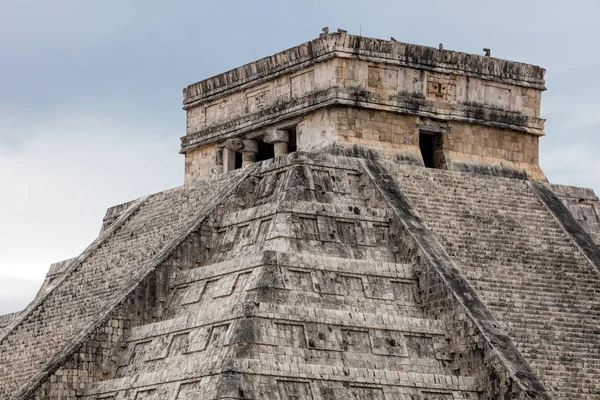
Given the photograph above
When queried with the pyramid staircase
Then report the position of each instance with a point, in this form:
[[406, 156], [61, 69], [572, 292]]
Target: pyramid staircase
[[528, 271]]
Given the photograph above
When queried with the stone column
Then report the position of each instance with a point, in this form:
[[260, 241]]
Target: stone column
[[228, 160], [231, 147], [280, 139], [249, 152]]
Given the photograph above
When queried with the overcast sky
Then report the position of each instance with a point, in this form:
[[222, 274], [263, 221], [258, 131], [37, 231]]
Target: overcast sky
[[90, 95]]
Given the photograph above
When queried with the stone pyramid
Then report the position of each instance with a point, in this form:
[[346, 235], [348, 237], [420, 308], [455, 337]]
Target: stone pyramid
[[361, 219]]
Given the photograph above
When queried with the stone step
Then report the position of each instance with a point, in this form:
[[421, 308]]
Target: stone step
[[306, 261], [282, 370], [543, 291], [380, 358]]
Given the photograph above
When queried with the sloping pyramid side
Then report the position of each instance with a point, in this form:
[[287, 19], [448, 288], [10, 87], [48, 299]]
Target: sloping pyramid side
[[310, 290], [526, 260], [84, 306], [302, 277]]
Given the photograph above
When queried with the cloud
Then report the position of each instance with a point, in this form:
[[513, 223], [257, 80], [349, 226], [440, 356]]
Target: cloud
[[16, 293], [90, 106], [575, 161], [65, 174]]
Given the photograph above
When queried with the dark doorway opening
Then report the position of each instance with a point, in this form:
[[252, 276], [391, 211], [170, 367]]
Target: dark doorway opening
[[238, 160], [431, 149], [426, 146], [265, 151], [292, 143]]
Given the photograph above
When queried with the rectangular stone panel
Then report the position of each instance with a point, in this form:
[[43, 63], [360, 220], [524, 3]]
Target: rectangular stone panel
[[193, 293], [379, 288], [340, 181], [298, 280], [333, 390], [383, 78], [352, 286], [257, 98], [337, 284], [241, 282], [388, 343], [322, 180], [223, 287], [497, 96], [327, 229], [411, 82], [323, 337], [179, 344], [218, 335], [193, 391], [367, 393], [356, 341], [302, 83], [290, 335], [226, 239], [306, 228], [198, 339], [346, 232], [403, 290], [381, 234], [136, 353], [243, 236], [263, 230], [211, 290], [419, 346], [294, 390], [159, 348], [151, 394], [441, 347], [214, 112]]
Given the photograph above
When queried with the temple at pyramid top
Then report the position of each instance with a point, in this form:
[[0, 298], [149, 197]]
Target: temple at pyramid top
[[343, 93]]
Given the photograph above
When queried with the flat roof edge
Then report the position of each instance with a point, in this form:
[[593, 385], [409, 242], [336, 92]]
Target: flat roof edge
[[390, 51]]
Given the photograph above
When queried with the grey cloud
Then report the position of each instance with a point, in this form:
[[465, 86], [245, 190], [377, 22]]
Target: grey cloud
[[16, 293], [90, 92]]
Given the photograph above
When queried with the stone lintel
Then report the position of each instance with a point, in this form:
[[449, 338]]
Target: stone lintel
[[264, 119], [276, 136], [234, 144]]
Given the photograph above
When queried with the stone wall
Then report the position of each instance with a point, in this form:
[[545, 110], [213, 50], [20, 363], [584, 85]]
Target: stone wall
[[389, 134], [202, 162], [464, 147], [379, 85], [500, 99], [394, 136], [480, 347], [476, 148]]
